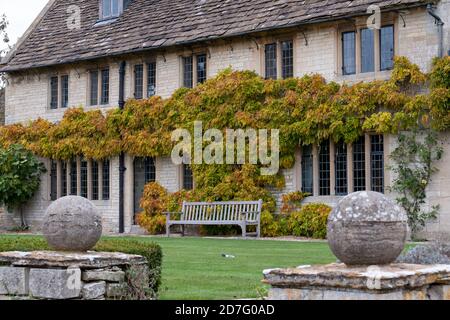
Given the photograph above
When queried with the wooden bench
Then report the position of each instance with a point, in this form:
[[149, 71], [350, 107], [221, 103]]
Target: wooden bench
[[240, 213]]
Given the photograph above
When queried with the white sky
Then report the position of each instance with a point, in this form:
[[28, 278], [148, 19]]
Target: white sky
[[20, 14]]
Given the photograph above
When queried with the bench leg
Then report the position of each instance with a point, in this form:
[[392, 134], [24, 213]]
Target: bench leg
[[168, 230], [182, 230], [244, 230]]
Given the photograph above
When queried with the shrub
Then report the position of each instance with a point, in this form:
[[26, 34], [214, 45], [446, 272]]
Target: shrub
[[20, 177], [435, 253], [154, 203], [310, 221], [269, 226], [274, 225], [151, 251], [292, 202]]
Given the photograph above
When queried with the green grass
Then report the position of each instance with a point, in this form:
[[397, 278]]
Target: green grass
[[193, 268]]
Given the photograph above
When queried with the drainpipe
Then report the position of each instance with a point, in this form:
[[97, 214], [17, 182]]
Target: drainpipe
[[122, 167], [440, 25]]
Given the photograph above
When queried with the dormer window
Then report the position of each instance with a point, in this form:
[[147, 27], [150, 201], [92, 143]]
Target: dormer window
[[110, 9]]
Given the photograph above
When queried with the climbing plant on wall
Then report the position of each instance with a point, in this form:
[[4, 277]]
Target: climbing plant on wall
[[306, 110]]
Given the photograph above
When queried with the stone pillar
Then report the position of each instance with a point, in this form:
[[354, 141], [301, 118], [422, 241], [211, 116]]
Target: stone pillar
[[316, 170], [129, 193]]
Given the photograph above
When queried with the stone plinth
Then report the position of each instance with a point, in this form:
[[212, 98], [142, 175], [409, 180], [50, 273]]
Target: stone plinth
[[339, 282], [59, 275]]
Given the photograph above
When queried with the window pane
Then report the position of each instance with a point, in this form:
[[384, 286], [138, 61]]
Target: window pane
[[367, 51], [105, 87], [115, 8], [359, 165], [53, 181], [377, 163], [324, 168], [84, 178], [201, 68], [94, 174], [387, 47], [188, 178], [106, 8], [94, 88], [139, 81], [63, 179], [106, 179], [341, 169], [150, 170], [287, 61], [151, 79], [73, 177], [54, 93], [64, 91], [188, 81], [348, 53], [271, 61], [307, 170]]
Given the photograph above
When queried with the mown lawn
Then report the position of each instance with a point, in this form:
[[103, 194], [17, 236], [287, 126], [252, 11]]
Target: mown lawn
[[194, 268]]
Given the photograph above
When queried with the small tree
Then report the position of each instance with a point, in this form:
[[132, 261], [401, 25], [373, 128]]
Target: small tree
[[414, 167], [20, 173]]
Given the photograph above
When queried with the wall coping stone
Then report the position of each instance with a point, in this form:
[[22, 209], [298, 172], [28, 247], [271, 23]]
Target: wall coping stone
[[368, 278], [88, 260]]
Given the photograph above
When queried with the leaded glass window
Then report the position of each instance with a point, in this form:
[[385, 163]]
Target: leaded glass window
[[341, 168], [188, 75], [201, 68], [324, 168], [387, 47], [287, 59], [367, 50], [307, 170], [359, 164], [139, 81], [271, 61], [377, 163], [349, 53]]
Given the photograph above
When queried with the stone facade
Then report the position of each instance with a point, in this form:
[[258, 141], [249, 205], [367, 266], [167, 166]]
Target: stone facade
[[316, 50], [63, 276]]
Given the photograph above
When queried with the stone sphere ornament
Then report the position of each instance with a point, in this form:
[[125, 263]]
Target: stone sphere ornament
[[367, 228], [72, 224]]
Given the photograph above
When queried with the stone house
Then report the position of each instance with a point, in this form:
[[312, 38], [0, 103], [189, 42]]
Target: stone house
[[77, 52]]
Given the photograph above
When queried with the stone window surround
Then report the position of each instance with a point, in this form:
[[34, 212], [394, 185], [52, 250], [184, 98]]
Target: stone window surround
[[278, 40], [316, 193], [60, 90], [194, 53], [145, 63], [99, 87], [68, 179], [359, 24]]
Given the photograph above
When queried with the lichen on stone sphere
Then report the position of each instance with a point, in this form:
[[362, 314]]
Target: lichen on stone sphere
[[72, 224], [367, 228]]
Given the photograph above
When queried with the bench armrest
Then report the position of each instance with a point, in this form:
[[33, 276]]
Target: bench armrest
[[247, 213]]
